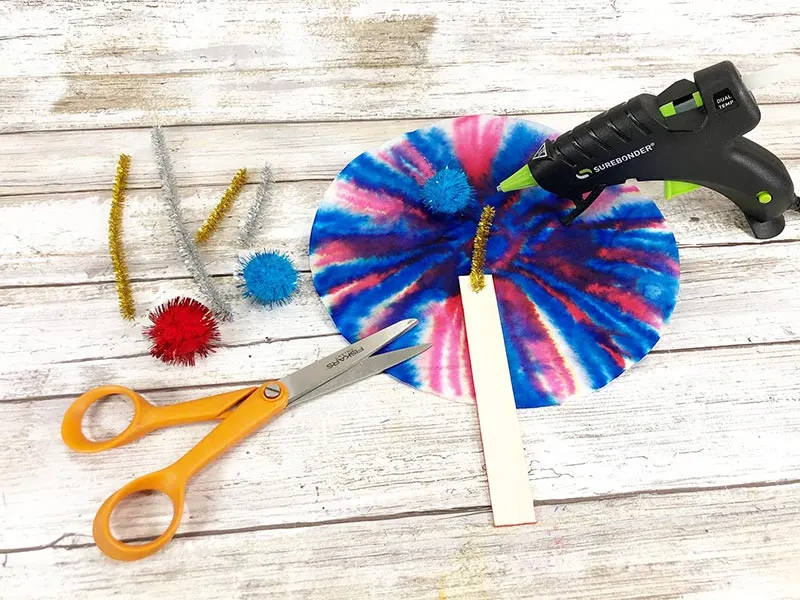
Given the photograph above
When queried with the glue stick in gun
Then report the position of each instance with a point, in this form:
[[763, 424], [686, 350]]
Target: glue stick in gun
[[688, 136]]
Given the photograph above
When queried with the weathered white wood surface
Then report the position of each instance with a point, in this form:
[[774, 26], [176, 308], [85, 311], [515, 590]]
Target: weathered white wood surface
[[723, 544], [680, 479], [729, 296], [685, 420], [118, 63], [55, 161]]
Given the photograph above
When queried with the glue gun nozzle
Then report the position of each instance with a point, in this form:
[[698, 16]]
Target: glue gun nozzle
[[518, 181]]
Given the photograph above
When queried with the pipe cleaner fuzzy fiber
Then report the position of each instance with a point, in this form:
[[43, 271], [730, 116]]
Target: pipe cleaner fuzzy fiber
[[222, 208], [115, 246], [183, 239], [477, 280], [268, 278], [249, 227], [578, 304]]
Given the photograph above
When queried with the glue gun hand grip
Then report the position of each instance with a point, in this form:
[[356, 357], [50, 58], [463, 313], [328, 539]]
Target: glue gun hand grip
[[751, 177]]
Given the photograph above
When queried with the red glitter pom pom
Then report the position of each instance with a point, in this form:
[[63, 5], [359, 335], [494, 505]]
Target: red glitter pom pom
[[182, 329]]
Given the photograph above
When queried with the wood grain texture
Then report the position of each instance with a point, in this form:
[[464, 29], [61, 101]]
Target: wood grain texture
[[679, 479], [729, 297], [133, 63], [685, 545], [61, 161], [41, 251], [690, 419]]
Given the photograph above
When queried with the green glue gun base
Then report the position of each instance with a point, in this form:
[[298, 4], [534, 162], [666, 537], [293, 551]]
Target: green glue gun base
[[689, 136]]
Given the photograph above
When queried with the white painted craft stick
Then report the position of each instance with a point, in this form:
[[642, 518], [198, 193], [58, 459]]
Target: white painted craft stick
[[506, 467]]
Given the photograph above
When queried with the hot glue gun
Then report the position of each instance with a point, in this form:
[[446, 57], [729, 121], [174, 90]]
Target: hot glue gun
[[688, 136]]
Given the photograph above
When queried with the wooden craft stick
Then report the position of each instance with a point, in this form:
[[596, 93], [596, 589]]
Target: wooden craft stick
[[506, 467]]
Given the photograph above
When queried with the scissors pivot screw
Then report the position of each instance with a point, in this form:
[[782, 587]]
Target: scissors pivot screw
[[273, 390]]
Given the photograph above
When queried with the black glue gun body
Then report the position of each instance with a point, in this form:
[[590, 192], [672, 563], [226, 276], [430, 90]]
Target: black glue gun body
[[688, 136]]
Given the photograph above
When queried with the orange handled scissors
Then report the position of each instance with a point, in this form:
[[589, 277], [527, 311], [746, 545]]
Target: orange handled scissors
[[241, 412]]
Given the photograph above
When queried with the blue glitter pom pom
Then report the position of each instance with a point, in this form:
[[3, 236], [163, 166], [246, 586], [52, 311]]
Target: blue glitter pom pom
[[448, 192], [269, 278]]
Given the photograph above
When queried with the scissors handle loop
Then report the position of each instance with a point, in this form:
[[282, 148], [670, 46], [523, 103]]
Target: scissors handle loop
[[72, 428], [146, 416], [165, 481], [259, 407]]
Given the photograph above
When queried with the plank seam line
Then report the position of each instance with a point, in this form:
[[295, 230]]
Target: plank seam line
[[326, 121], [205, 185], [111, 281], [266, 341], [456, 511], [100, 282], [743, 243], [723, 347], [145, 188], [327, 335]]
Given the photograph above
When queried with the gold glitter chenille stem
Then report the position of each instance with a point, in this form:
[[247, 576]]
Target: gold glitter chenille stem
[[476, 278], [126, 306], [222, 207]]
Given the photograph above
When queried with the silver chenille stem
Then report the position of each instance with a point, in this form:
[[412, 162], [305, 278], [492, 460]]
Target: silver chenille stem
[[252, 222], [218, 304]]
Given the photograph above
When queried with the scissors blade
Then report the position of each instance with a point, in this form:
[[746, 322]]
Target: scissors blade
[[368, 367], [314, 375]]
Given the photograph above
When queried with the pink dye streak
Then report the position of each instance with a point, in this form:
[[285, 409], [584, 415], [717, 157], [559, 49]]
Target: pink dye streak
[[578, 315], [423, 168], [383, 317], [406, 159], [636, 257], [455, 334], [436, 353], [626, 302], [605, 201], [341, 292], [426, 362], [459, 352], [369, 202], [514, 247], [615, 356], [334, 252], [476, 145], [382, 207], [554, 368], [574, 311], [445, 324]]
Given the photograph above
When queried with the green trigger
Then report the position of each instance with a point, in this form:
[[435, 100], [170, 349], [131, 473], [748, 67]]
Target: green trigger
[[676, 188]]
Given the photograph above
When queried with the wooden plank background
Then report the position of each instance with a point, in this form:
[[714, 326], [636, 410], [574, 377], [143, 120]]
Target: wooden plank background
[[679, 480]]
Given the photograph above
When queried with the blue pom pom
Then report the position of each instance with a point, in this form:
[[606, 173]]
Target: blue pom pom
[[269, 278], [448, 192]]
